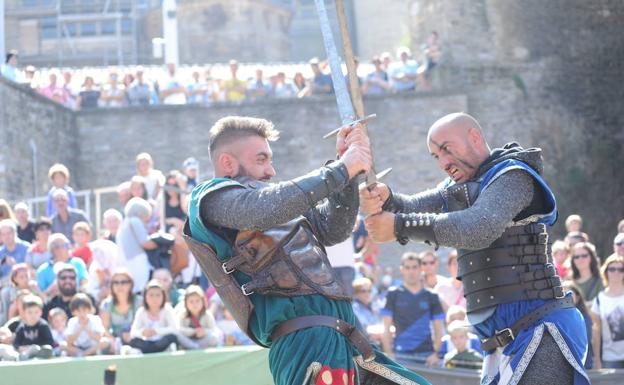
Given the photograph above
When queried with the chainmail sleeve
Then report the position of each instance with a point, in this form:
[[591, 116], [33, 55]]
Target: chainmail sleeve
[[427, 201]]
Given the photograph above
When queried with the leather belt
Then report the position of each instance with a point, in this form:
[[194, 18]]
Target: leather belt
[[505, 336], [356, 337]]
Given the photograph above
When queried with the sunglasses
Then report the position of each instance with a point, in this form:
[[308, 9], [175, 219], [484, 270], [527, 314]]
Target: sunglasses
[[425, 263], [66, 277], [613, 269], [583, 256], [123, 282]]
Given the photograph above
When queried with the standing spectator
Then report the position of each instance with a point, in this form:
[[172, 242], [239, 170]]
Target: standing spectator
[[386, 61], [618, 245], [620, 226], [457, 313], [173, 92], [284, 88], [362, 298], [342, 258], [112, 220], [113, 94], [139, 190], [258, 88], [13, 249], [118, 309], [104, 262], [451, 291], [608, 313], [81, 233], [133, 239], [579, 302], [6, 212], [211, 87], [49, 272], [585, 270], [139, 93], [88, 97], [154, 328], [175, 200], [322, 82], [404, 73], [53, 91], [461, 356], [29, 78], [575, 237], [59, 176], [198, 329], [415, 312], [234, 87], [84, 332], [70, 102], [432, 55], [196, 90], [430, 264], [154, 179], [574, 223], [66, 217], [9, 68], [38, 253], [377, 82], [191, 171], [33, 337], [300, 83], [561, 258], [25, 227]]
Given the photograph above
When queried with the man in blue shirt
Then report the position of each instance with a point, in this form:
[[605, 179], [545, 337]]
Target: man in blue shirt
[[413, 309], [322, 82], [13, 249], [404, 74], [59, 247]]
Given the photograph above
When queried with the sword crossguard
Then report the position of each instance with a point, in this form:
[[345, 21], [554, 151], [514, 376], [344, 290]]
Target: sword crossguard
[[337, 130]]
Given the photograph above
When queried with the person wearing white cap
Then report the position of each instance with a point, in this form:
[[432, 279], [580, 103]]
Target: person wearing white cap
[[191, 170]]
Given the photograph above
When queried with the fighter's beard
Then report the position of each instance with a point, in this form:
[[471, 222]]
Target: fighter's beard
[[242, 171]]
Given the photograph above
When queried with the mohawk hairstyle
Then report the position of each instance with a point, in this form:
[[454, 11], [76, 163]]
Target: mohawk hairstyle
[[228, 129]]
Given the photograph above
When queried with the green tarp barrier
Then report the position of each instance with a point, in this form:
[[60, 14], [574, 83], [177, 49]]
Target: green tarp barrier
[[222, 366]]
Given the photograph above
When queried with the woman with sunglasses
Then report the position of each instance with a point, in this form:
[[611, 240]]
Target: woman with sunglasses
[[608, 312], [118, 309], [585, 270]]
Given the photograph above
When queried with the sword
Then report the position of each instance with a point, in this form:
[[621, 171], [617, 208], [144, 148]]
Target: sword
[[350, 106]]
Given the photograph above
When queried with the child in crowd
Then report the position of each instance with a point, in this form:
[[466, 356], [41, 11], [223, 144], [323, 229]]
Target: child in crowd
[[57, 318], [154, 328], [20, 280], [461, 356], [458, 313], [16, 310], [197, 325], [59, 176], [166, 280], [233, 335], [33, 337], [84, 332], [81, 232]]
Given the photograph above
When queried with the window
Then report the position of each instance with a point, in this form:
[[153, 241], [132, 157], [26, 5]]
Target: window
[[108, 27], [88, 29], [70, 29], [126, 26], [48, 27]]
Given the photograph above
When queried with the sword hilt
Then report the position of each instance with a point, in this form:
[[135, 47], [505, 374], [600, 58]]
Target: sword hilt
[[337, 130]]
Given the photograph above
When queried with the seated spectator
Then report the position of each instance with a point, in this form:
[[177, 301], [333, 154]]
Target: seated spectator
[[38, 253], [20, 280], [88, 97], [457, 313], [404, 73], [81, 233], [113, 94], [57, 319], [608, 313], [84, 332], [66, 217], [48, 271], [234, 87], [585, 270], [618, 245], [13, 249], [66, 281], [25, 227], [461, 356], [133, 239], [140, 93], [190, 167], [451, 291], [111, 219], [198, 329], [154, 328], [9, 68], [574, 223], [123, 192], [430, 265], [376, 82], [163, 276], [53, 91], [172, 91], [33, 337], [153, 178], [579, 302], [575, 237], [620, 227], [16, 312], [119, 308], [284, 88], [232, 334], [322, 82], [561, 258], [104, 262], [175, 200], [362, 296]]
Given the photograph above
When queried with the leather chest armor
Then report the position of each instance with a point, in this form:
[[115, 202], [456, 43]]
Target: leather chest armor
[[514, 267]]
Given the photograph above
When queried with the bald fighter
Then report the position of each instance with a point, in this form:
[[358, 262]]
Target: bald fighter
[[494, 208]]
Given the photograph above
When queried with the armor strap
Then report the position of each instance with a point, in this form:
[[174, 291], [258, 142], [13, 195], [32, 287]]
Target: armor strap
[[415, 226], [504, 256], [547, 288], [507, 275], [520, 239], [505, 336], [353, 334]]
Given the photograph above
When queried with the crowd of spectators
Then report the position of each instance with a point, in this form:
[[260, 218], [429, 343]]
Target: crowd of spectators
[[204, 85], [135, 287]]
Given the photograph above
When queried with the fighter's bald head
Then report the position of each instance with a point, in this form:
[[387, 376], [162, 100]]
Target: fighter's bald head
[[457, 124]]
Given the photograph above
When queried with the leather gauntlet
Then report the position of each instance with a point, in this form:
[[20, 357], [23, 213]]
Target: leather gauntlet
[[415, 227]]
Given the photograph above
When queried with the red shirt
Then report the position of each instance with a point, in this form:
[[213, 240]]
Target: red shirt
[[83, 253]]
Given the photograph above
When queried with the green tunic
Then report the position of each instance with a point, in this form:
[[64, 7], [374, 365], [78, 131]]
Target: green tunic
[[292, 354]]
